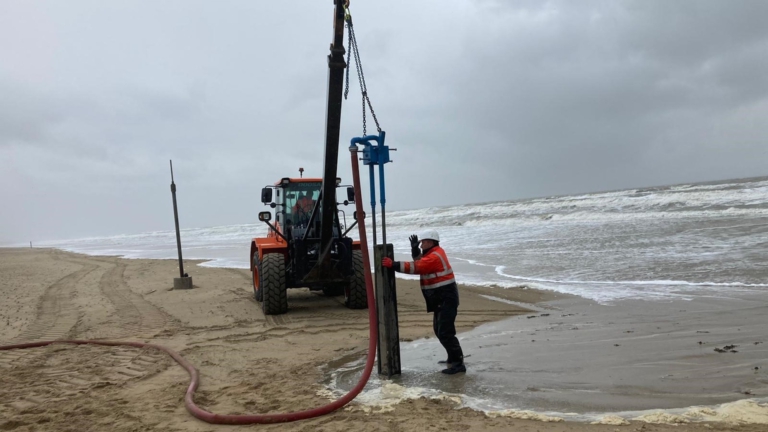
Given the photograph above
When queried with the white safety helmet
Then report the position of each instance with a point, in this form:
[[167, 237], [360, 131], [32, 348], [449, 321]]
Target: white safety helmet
[[430, 235]]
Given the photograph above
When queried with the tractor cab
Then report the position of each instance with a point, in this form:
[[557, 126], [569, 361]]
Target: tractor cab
[[294, 201]]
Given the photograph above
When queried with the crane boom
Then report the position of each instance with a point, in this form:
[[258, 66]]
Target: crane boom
[[336, 66]]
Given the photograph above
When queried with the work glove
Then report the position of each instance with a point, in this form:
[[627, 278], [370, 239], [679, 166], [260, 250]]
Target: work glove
[[415, 251], [387, 262]]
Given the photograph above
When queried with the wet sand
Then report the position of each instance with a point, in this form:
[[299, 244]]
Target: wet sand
[[249, 363]]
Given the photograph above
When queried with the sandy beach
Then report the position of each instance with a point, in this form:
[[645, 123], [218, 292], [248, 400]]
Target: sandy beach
[[249, 363]]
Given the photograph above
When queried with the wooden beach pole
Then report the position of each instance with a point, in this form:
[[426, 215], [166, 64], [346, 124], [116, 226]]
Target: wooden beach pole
[[183, 281]]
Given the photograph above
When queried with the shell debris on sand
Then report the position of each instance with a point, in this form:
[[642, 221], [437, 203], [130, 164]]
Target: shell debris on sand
[[661, 417], [742, 412], [384, 398], [524, 415], [746, 411], [613, 420]]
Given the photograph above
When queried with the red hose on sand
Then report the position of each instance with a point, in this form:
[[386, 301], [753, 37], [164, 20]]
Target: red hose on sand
[[210, 417]]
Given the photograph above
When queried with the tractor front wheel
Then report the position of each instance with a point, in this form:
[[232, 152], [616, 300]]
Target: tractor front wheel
[[356, 296], [272, 287]]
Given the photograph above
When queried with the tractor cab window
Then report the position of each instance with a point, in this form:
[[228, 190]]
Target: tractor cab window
[[300, 199]]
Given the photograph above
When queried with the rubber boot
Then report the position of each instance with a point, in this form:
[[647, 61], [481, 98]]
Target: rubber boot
[[455, 368]]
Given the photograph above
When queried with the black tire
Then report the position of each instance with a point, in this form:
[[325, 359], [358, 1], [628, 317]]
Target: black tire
[[274, 295], [356, 296], [256, 277]]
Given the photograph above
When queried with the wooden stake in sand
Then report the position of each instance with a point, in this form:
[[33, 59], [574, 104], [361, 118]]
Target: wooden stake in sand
[[386, 306], [183, 281]]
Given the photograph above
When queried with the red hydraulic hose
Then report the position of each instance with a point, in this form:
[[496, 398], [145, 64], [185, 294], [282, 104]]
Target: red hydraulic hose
[[210, 417]]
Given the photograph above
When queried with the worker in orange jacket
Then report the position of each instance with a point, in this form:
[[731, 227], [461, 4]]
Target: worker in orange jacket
[[303, 208], [440, 292]]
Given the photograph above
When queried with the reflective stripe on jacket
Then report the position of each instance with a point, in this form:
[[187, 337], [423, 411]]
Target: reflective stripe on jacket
[[434, 268]]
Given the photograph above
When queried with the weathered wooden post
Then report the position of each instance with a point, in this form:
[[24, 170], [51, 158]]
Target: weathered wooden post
[[386, 305], [183, 281]]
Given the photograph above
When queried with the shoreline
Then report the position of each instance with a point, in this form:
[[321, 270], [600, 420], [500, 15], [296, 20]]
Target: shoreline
[[248, 362], [585, 362]]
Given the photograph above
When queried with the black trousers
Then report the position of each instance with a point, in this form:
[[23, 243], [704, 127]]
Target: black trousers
[[446, 305]]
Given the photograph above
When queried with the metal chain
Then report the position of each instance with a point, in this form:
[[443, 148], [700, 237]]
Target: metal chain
[[349, 53], [364, 122], [353, 50], [373, 114]]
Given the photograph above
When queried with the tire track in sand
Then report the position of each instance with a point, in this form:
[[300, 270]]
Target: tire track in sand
[[55, 317], [68, 372], [135, 315], [243, 273]]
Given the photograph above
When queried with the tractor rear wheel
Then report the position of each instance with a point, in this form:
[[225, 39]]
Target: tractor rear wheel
[[256, 273], [272, 287], [356, 296]]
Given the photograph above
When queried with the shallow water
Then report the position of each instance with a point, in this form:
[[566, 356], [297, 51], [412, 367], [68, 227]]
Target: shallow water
[[590, 359]]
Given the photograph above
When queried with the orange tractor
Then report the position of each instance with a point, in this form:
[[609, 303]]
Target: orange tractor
[[292, 254]]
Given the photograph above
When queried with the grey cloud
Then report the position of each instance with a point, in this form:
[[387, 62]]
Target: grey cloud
[[485, 100]]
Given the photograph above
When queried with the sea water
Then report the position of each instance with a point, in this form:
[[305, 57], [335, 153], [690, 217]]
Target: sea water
[[651, 243]]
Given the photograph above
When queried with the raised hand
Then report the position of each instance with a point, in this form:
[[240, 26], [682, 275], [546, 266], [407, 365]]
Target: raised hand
[[415, 251]]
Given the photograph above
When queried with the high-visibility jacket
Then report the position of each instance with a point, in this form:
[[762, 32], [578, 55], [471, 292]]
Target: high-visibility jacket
[[434, 268]]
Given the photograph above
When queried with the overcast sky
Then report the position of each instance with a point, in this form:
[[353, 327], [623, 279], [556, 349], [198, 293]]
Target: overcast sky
[[484, 100]]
